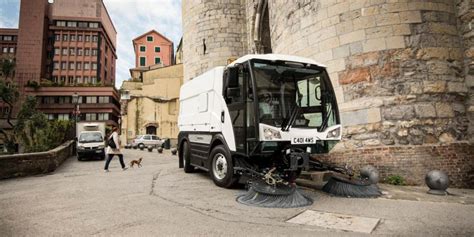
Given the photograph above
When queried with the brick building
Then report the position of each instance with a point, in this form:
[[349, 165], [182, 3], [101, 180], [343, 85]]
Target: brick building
[[153, 48], [8, 43], [64, 48], [402, 71]]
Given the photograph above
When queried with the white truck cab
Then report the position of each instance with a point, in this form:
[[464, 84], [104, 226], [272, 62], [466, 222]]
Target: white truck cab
[[90, 140], [259, 114]]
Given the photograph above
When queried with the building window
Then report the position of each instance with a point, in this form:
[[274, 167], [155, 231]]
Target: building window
[[94, 80], [91, 117], [12, 50], [82, 24], [72, 66], [86, 79], [103, 99], [50, 116], [70, 80], [73, 37], [64, 51], [79, 80], [5, 50], [95, 38], [57, 37], [91, 99], [79, 66], [57, 51], [86, 52], [86, 66], [157, 49], [71, 24], [72, 51], [56, 65], [62, 79], [105, 63], [64, 100], [103, 116], [79, 38], [63, 116], [49, 100], [65, 37], [94, 66], [94, 52], [142, 48], [79, 52], [55, 79], [63, 65], [142, 61], [87, 38], [149, 38], [7, 38], [94, 25], [157, 60], [60, 23]]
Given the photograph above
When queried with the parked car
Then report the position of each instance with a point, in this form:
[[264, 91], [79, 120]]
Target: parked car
[[146, 140]]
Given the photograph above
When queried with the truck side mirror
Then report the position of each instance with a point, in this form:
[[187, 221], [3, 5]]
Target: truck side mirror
[[233, 77]]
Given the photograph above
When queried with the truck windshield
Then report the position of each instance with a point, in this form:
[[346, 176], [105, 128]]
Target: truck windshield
[[290, 94], [90, 137]]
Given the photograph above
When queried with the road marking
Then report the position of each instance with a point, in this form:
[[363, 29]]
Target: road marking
[[336, 221]]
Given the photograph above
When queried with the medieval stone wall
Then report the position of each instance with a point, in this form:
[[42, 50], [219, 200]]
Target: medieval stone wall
[[465, 13], [214, 32], [396, 65]]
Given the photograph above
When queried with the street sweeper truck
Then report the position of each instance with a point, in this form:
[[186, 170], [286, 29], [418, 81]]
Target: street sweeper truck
[[261, 116]]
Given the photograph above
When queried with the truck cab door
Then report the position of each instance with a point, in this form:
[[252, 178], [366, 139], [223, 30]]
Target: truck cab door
[[239, 102]]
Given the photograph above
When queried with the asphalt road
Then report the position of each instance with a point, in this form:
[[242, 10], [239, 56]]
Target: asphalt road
[[161, 200]]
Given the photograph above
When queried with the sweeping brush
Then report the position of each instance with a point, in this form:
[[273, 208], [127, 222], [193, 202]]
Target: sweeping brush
[[344, 187], [281, 196]]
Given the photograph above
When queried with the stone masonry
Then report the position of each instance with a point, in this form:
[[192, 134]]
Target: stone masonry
[[402, 70]]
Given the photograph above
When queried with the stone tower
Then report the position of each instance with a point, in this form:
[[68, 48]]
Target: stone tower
[[214, 33], [402, 71]]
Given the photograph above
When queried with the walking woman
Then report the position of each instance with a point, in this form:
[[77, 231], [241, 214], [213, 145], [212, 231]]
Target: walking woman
[[114, 150]]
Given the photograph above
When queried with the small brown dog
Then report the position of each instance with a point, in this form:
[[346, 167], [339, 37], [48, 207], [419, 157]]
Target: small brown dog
[[137, 162]]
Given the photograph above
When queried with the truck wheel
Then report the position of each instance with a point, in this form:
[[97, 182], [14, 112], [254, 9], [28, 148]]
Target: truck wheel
[[222, 168], [141, 146], [188, 168]]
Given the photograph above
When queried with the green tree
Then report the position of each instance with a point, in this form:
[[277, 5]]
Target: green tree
[[8, 95], [8, 67], [35, 132]]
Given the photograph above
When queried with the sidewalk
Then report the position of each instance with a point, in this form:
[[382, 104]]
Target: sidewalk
[[393, 192]]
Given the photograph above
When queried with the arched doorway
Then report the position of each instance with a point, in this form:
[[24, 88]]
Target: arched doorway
[[151, 129]]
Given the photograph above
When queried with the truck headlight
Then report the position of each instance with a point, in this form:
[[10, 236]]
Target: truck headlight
[[80, 147], [101, 146], [335, 133], [270, 134]]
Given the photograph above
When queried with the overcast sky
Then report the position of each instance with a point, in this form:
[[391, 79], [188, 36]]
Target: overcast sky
[[131, 19]]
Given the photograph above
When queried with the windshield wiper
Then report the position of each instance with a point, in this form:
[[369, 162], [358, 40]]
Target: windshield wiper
[[285, 126]]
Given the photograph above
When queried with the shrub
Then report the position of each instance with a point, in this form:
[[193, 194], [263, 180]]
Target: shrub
[[396, 180]]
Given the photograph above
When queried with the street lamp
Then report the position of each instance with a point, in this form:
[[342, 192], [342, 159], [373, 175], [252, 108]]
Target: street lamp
[[75, 101]]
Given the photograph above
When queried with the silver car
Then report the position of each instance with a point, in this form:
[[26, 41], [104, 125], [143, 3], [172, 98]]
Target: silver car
[[147, 140]]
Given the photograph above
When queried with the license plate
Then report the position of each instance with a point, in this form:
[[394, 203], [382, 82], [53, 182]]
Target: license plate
[[98, 151], [302, 140]]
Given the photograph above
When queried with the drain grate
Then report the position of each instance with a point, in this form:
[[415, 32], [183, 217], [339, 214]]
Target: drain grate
[[335, 221]]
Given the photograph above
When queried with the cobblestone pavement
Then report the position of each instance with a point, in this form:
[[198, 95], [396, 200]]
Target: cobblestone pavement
[[161, 200]]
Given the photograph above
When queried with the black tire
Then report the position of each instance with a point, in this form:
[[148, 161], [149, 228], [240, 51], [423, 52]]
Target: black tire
[[79, 158], [188, 168], [228, 178], [141, 145]]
